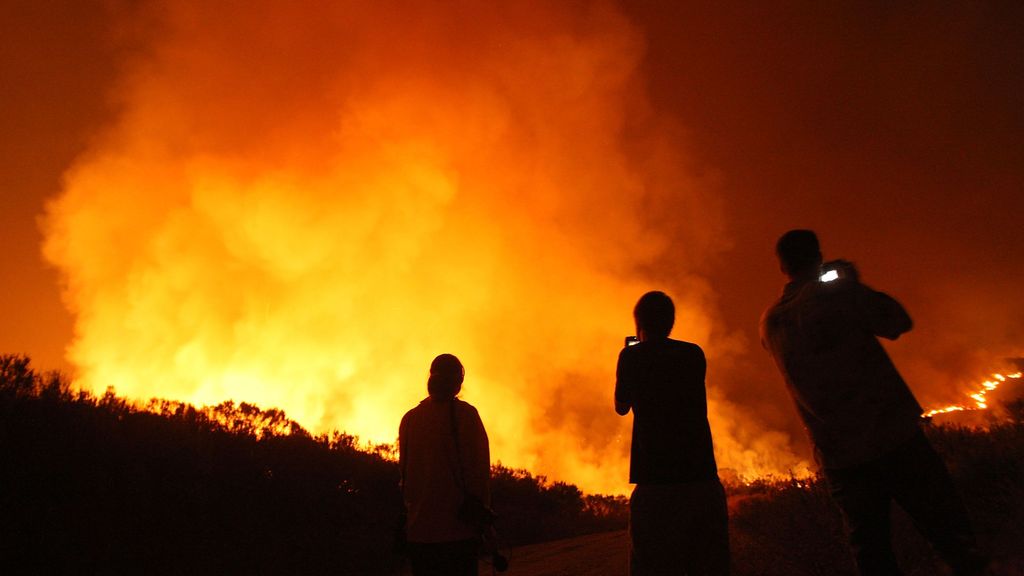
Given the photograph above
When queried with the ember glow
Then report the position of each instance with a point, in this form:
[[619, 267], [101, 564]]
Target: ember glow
[[299, 209], [979, 396]]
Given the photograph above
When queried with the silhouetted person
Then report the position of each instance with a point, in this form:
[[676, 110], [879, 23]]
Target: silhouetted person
[[862, 418], [678, 520], [433, 482]]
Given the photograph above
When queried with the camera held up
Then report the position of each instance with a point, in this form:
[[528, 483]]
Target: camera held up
[[838, 270]]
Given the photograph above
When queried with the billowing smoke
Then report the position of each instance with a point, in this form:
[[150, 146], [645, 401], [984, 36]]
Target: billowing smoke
[[301, 207]]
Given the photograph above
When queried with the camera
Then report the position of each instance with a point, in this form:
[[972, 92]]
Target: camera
[[837, 270], [632, 340], [829, 275]]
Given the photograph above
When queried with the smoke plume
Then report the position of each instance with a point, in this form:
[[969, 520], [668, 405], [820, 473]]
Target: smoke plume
[[301, 207]]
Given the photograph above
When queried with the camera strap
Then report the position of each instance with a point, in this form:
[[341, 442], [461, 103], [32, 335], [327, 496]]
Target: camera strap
[[459, 478]]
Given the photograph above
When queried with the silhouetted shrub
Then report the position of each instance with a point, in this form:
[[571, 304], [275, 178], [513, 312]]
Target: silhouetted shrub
[[102, 485], [531, 509], [791, 527]]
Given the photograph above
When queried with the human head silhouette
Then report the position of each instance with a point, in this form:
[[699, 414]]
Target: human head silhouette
[[446, 375], [799, 253], [654, 315]]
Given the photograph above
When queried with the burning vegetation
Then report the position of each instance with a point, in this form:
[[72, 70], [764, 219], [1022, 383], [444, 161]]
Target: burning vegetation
[[298, 209], [980, 396]]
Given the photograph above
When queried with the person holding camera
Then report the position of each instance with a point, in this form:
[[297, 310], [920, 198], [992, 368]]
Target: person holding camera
[[862, 418], [678, 519], [444, 458]]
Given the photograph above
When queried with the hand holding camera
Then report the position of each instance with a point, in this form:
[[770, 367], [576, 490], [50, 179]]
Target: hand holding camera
[[838, 270]]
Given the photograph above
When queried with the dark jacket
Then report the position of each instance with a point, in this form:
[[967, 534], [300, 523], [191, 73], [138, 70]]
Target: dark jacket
[[824, 339], [431, 482], [662, 381]]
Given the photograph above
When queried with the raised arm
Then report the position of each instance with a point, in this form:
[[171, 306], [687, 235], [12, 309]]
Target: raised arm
[[623, 386], [885, 316]]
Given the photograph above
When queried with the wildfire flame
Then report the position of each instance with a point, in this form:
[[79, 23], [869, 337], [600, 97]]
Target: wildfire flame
[[298, 207], [979, 397]]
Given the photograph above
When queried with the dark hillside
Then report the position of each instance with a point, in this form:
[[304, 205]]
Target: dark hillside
[[792, 528], [97, 485]]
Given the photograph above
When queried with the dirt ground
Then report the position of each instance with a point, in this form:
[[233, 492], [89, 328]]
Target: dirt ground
[[606, 554], [594, 555]]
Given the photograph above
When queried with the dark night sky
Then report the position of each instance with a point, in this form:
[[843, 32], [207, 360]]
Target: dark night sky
[[896, 130]]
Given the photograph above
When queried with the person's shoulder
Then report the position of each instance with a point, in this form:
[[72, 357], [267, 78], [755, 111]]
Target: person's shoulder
[[692, 352], [468, 415], [784, 300], [416, 410], [683, 347], [772, 309], [408, 420], [465, 407], [769, 319]]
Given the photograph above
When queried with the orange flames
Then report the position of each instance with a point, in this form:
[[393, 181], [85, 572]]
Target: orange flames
[[979, 397], [300, 208]]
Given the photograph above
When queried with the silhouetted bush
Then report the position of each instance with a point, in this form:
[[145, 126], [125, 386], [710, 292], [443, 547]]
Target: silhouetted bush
[[98, 485], [791, 527], [101, 485], [531, 509]]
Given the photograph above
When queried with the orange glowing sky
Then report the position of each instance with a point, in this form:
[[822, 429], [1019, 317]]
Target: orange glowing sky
[[302, 207]]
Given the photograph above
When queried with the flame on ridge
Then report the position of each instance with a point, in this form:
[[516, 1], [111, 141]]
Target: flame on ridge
[[979, 397]]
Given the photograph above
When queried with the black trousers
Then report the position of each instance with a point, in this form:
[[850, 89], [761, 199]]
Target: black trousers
[[914, 476], [444, 558], [679, 529]]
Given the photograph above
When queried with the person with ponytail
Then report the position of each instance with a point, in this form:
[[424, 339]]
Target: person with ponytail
[[445, 459]]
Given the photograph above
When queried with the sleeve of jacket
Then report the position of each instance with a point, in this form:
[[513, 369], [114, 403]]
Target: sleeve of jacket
[[624, 383], [884, 316]]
